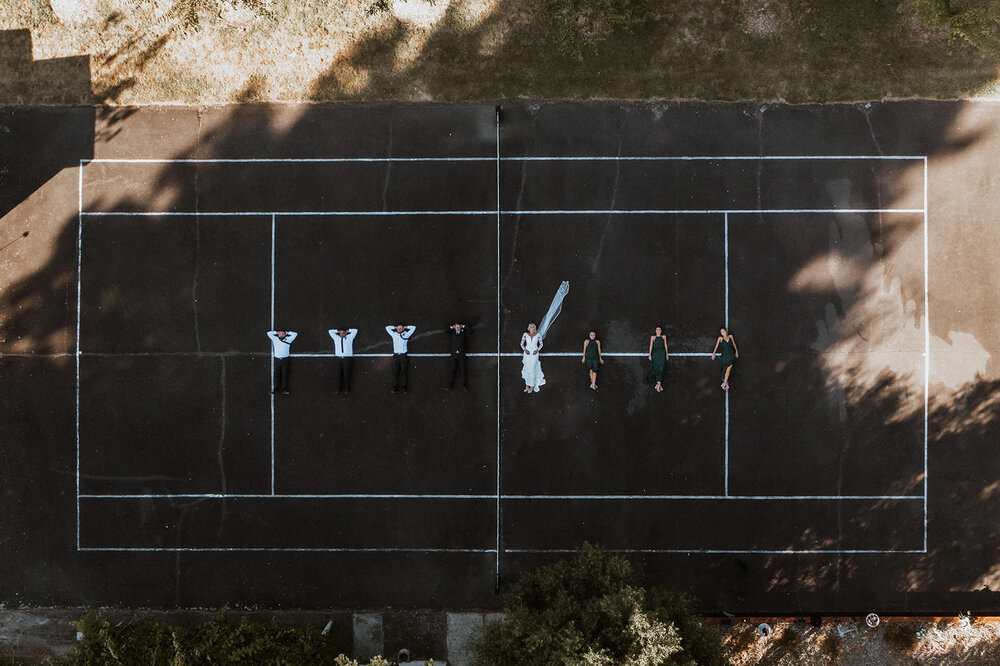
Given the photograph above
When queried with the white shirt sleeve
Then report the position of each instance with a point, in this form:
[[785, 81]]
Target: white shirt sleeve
[[351, 333], [290, 338], [274, 336], [409, 331], [333, 333], [390, 329]]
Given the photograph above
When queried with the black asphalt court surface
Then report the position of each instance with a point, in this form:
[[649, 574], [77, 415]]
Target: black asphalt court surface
[[850, 249]]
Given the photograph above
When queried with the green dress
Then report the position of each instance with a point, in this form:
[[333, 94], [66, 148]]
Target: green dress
[[591, 357], [727, 352], [655, 372]]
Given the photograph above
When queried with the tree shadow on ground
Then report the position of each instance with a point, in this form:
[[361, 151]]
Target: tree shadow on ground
[[40, 317]]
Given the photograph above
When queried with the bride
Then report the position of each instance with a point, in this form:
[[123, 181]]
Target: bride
[[531, 366]]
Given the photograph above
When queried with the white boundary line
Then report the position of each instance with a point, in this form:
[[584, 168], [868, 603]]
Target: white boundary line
[[113, 549], [927, 351], [720, 551], [512, 158], [79, 310], [653, 551], [307, 496], [81, 214], [499, 324], [591, 211]]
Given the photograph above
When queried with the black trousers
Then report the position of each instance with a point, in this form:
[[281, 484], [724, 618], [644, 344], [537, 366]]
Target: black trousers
[[458, 361], [344, 364], [400, 367], [281, 371]]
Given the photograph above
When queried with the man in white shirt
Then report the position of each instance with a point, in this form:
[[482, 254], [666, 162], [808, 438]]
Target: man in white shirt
[[343, 350], [281, 344], [400, 362]]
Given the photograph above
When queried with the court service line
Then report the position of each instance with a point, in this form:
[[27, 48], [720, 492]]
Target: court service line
[[493, 355], [383, 496], [927, 351], [79, 308], [582, 211]]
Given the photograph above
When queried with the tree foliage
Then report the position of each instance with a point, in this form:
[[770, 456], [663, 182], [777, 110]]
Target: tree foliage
[[216, 642], [975, 22], [591, 610]]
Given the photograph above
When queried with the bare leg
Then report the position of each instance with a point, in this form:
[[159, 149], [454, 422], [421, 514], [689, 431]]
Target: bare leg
[[725, 380], [593, 379]]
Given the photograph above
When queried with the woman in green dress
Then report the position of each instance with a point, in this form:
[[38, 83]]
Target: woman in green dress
[[592, 356], [728, 355], [657, 358]]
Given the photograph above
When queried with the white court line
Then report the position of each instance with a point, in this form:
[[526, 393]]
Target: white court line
[[79, 308], [491, 550], [499, 324], [114, 549], [479, 354], [512, 158], [588, 211], [927, 353], [725, 245], [314, 496], [719, 551], [271, 360]]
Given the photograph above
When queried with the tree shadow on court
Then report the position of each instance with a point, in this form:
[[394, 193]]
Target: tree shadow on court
[[881, 404]]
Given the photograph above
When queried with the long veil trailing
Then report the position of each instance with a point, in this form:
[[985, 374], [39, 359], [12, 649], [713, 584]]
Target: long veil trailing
[[554, 309]]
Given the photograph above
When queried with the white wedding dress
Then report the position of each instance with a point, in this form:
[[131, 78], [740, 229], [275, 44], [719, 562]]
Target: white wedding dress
[[531, 368]]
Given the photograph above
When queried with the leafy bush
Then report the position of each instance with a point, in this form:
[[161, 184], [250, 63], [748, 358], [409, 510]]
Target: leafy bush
[[216, 642], [976, 22], [592, 610]]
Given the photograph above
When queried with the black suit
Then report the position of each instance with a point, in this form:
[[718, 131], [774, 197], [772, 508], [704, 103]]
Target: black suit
[[457, 345]]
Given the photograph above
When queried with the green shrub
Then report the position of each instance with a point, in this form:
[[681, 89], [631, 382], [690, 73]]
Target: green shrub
[[975, 22], [219, 641], [592, 610]]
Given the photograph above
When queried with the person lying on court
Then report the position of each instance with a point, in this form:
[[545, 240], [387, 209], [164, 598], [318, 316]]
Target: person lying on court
[[592, 356], [281, 346], [400, 362], [729, 354], [343, 351], [457, 346]]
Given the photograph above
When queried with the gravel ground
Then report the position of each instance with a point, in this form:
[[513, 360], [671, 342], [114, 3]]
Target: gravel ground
[[852, 643]]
